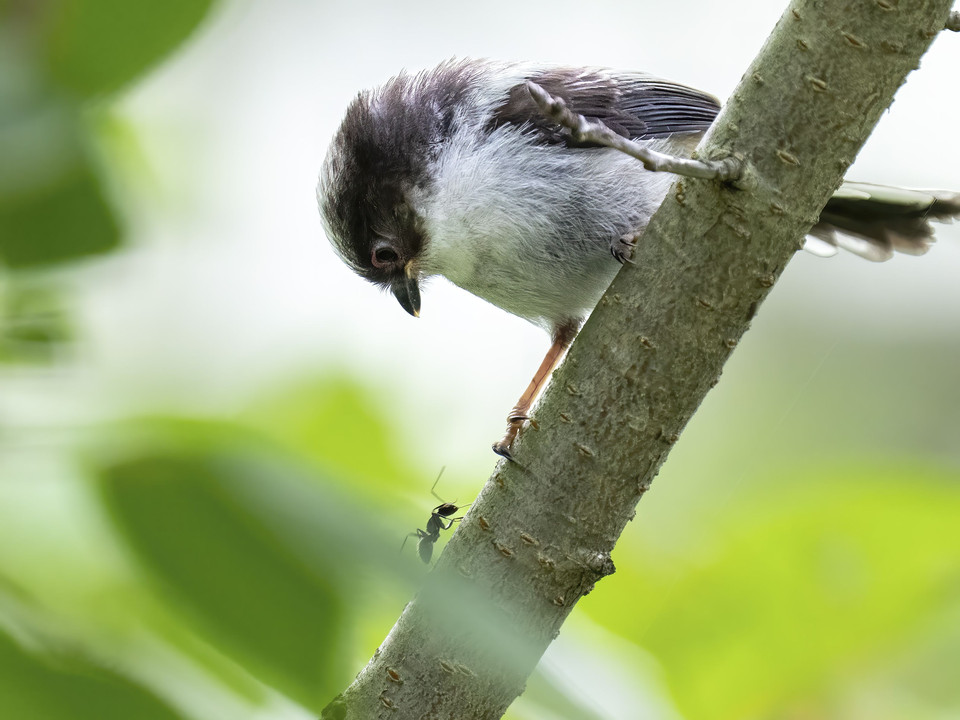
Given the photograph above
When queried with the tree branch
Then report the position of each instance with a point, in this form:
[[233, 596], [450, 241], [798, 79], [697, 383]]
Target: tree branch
[[584, 130], [540, 534]]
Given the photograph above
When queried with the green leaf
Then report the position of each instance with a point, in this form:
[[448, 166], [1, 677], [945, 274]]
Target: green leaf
[[59, 686], [52, 202], [794, 594], [53, 206], [338, 422], [66, 220], [97, 46], [238, 583]]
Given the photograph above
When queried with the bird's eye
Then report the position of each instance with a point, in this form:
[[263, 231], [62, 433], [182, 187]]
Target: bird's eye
[[384, 255]]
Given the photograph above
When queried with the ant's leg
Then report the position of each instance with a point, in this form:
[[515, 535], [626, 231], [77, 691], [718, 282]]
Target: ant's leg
[[418, 534], [434, 487]]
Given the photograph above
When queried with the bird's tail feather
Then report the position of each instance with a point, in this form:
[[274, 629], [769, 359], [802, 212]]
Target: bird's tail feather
[[875, 221]]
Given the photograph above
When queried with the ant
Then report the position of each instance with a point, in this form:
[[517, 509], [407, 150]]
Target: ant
[[426, 539]]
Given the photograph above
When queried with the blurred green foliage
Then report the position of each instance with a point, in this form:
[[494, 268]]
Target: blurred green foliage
[[336, 422], [55, 57], [261, 555], [92, 47], [243, 560], [239, 586], [56, 686], [34, 322], [53, 205], [796, 589]]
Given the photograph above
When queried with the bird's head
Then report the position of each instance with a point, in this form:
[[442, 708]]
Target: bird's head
[[373, 228], [378, 172], [365, 194]]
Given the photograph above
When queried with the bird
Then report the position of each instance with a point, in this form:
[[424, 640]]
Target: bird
[[455, 171]]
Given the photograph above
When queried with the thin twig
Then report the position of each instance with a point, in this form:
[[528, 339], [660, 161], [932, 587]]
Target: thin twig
[[584, 130], [953, 22]]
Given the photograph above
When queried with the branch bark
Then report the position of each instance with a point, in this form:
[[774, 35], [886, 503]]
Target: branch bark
[[540, 534]]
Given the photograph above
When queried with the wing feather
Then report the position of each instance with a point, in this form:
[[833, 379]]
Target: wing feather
[[634, 105]]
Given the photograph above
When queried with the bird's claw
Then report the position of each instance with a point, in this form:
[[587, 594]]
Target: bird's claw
[[622, 248], [502, 449], [504, 446]]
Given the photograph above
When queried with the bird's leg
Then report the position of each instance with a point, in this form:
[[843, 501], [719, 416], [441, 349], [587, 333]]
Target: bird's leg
[[562, 337]]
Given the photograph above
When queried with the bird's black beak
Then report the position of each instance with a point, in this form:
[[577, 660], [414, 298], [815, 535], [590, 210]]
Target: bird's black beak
[[407, 291]]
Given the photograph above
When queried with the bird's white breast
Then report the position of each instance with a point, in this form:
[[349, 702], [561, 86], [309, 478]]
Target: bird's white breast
[[528, 226]]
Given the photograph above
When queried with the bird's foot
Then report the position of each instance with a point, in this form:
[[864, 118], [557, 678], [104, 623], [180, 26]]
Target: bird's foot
[[515, 421], [622, 247]]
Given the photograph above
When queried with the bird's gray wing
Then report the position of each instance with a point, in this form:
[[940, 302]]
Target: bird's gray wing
[[634, 105]]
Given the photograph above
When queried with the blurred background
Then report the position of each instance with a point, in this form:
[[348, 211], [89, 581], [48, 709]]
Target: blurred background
[[214, 438]]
